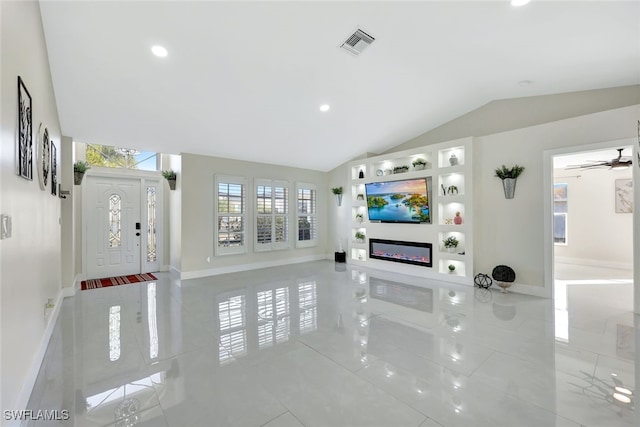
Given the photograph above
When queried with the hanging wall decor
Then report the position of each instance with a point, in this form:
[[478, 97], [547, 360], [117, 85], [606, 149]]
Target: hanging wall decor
[[43, 156], [54, 170], [25, 132], [509, 177], [624, 195]]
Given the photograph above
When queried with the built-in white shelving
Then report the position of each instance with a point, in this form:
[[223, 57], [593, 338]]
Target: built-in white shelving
[[449, 170]]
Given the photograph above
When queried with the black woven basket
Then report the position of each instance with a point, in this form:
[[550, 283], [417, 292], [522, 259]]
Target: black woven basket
[[503, 273]]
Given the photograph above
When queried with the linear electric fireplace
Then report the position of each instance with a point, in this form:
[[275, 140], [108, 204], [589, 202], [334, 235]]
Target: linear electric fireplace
[[416, 253]]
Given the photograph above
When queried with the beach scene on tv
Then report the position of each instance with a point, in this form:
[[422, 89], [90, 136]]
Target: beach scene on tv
[[398, 201]]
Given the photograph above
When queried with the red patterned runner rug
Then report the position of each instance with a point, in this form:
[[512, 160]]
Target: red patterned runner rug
[[116, 281]]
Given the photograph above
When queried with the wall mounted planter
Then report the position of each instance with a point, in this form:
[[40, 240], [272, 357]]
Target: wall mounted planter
[[509, 186], [77, 177]]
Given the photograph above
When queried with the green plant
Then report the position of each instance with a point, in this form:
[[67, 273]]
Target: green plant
[[417, 162], [450, 242], [359, 235], [452, 267], [81, 166], [336, 190], [359, 217], [169, 175], [504, 172], [400, 169]]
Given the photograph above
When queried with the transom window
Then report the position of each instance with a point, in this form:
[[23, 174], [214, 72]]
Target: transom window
[[117, 157]]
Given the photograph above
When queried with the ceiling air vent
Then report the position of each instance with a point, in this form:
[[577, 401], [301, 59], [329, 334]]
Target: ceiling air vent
[[357, 42]]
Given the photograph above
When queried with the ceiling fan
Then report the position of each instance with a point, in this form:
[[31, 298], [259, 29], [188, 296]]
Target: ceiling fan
[[619, 162]]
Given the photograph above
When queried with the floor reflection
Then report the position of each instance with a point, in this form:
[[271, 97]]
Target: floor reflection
[[315, 346]]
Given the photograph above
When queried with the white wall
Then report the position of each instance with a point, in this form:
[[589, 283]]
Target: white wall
[[30, 264], [512, 231], [197, 193], [68, 248], [338, 216], [517, 113], [174, 200], [597, 235]]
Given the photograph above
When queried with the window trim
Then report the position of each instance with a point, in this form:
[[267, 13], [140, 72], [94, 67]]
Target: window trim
[[273, 245], [230, 250], [314, 241]]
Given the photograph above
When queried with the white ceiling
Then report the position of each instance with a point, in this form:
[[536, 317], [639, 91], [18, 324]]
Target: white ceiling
[[245, 80], [588, 157]]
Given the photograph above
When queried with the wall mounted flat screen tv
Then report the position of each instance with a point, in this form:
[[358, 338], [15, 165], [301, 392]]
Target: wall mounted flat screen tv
[[403, 201]]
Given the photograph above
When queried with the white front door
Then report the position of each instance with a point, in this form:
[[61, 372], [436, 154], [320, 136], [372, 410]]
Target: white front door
[[113, 226]]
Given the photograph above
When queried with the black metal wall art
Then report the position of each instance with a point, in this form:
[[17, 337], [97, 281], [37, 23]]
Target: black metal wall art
[[43, 162], [54, 170], [25, 132]]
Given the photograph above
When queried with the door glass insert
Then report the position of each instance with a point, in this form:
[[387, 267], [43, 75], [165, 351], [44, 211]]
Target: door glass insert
[[151, 224], [152, 321], [115, 213], [114, 333]]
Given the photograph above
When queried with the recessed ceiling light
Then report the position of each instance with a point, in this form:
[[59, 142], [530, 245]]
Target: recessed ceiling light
[[621, 398], [525, 82], [623, 390], [325, 107], [517, 3], [159, 51]]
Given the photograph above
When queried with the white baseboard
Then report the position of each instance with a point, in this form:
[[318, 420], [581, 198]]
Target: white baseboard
[[175, 270], [69, 291], [32, 375], [246, 267], [521, 288], [594, 263]]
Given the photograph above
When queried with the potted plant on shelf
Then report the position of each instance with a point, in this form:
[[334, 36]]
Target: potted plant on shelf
[[509, 177], [401, 169], [171, 177], [360, 236], [359, 217], [452, 269], [79, 169], [360, 196], [419, 164], [451, 243], [338, 192]]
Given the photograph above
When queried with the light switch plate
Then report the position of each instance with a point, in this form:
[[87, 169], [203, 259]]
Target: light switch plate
[[5, 226]]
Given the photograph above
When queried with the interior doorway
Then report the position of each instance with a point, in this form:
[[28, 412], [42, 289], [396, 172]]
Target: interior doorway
[[122, 225], [592, 236]]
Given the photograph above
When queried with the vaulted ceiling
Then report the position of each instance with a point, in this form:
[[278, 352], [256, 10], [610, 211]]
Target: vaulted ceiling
[[245, 80]]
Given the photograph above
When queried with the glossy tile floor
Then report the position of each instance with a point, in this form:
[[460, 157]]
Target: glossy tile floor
[[319, 344]]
